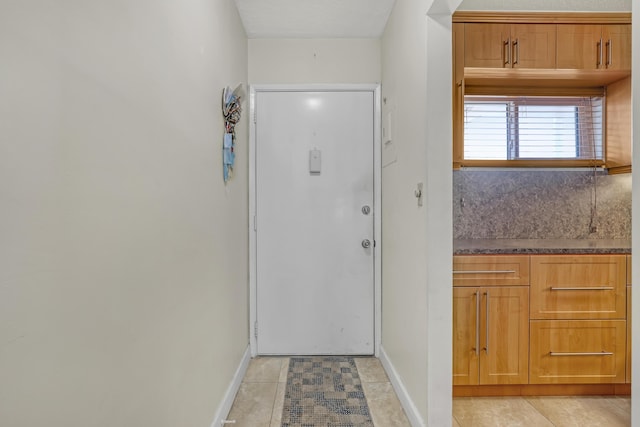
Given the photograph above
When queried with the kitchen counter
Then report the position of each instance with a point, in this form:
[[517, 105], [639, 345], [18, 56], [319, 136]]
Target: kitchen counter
[[541, 246]]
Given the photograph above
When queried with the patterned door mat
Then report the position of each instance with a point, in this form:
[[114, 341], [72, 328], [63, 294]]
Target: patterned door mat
[[324, 391]]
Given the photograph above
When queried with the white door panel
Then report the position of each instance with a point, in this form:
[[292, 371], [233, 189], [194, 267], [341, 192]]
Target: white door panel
[[315, 284]]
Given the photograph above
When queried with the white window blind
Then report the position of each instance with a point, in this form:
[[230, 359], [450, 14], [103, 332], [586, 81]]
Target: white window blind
[[529, 128]]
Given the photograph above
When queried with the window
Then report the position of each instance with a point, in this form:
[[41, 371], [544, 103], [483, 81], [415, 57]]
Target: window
[[533, 128]]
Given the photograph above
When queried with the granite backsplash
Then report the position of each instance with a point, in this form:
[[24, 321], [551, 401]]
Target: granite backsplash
[[541, 204]]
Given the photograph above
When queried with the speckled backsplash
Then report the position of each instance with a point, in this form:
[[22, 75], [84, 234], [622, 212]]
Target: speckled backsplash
[[540, 204]]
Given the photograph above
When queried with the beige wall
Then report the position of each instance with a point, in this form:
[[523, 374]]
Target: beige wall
[[123, 256], [290, 61], [404, 270], [635, 225]]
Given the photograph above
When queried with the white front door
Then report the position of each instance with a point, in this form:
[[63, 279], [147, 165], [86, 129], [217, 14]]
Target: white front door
[[314, 222]]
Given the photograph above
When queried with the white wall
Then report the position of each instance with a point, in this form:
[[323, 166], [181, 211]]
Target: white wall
[[123, 257], [635, 225], [417, 243], [291, 61]]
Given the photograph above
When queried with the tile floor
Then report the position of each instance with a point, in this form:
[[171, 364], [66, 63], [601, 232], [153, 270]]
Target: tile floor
[[544, 411], [261, 396]]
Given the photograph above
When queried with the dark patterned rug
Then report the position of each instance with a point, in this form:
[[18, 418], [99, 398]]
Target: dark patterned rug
[[324, 391]]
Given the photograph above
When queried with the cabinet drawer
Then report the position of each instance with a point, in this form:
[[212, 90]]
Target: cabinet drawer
[[628, 270], [578, 287], [577, 351], [490, 270]]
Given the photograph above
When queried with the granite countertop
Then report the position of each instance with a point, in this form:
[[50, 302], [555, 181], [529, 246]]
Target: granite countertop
[[541, 246]]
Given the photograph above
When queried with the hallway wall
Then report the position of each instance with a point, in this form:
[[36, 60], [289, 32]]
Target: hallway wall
[[292, 61], [123, 256], [416, 240]]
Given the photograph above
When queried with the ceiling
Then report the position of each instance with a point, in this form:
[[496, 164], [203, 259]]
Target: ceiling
[[314, 18]]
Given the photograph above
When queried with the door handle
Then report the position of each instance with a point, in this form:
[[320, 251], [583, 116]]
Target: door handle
[[366, 243]]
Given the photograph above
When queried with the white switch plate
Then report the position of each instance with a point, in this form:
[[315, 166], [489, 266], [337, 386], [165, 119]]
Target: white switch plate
[[315, 161]]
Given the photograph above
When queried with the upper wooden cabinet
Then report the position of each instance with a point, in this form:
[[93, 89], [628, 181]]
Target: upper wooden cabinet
[[593, 47], [510, 45]]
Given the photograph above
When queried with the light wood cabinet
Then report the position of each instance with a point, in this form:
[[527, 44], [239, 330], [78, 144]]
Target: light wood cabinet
[[577, 351], [466, 336], [531, 323], [585, 47], [628, 367], [491, 335], [618, 130], [578, 287], [489, 45], [488, 270]]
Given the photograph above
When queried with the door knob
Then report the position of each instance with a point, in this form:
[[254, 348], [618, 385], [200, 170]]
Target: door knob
[[366, 243]]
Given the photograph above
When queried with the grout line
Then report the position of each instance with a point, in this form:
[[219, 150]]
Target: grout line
[[538, 411], [286, 361]]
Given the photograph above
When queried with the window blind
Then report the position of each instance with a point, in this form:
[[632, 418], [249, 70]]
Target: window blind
[[529, 128]]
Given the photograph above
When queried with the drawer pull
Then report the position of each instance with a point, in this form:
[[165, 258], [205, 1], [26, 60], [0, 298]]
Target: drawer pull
[[602, 353], [478, 323], [584, 288], [483, 271]]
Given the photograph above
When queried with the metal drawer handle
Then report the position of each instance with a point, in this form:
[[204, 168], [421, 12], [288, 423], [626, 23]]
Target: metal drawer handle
[[602, 353], [483, 271], [584, 288], [486, 338], [477, 323]]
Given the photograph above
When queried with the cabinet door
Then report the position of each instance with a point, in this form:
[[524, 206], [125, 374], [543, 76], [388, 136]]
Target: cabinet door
[[465, 335], [628, 368], [486, 45], [533, 45], [490, 270], [578, 46], [617, 47], [577, 351], [578, 287], [504, 335]]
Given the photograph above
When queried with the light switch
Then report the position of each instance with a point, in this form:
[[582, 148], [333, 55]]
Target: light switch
[[315, 161]]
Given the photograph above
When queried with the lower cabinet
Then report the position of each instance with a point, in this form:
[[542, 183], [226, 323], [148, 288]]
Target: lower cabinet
[[490, 335], [578, 351], [628, 376], [549, 321]]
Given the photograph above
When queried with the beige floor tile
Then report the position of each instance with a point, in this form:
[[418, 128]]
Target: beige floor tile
[[384, 405], [253, 405], [454, 422], [284, 370], [264, 370], [278, 404], [583, 411], [370, 370], [497, 412]]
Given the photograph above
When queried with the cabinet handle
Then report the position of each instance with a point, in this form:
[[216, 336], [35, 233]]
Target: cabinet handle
[[486, 338], [584, 288], [483, 271], [478, 323], [601, 353], [609, 50], [599, 64], [517, 55], [507, 51]]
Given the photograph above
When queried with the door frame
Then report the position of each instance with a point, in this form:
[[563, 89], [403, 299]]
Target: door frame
[[377, 206]]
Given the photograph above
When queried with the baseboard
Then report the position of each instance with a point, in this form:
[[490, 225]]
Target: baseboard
[[405, 400], [225, 406]]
